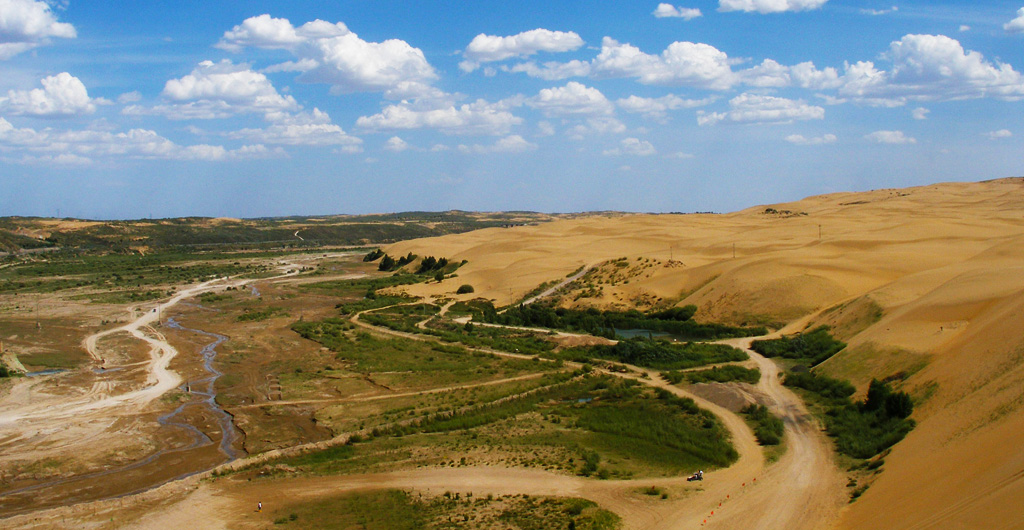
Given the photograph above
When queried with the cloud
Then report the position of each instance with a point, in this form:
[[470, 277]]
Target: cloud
[[1001, 133], [130, 97], [769, 6], [679, 155], [657, 108], [964, 28], [680, 64], [932, 67], [62, 95], [920, 113], [574, 99], [1016, 25], [396, 145], [509, 144], [671, 11], [218, 90], [876, 12], [480, 117], [799, 139], [330, 53], [632, 146], [136, 144], [890, 137], [489, 48], [598, 125], [755, 108], [311, 129], [27, 24], [551, 71]]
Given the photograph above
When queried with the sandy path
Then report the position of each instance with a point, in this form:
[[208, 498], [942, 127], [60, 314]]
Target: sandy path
[[550, 291]]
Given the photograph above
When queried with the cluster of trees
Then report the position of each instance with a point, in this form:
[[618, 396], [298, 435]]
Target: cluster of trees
[[430, 264], [865, 428], [815, 346], [677, 320], [662, 355], [5, 372], [718, 374], [388, 264]]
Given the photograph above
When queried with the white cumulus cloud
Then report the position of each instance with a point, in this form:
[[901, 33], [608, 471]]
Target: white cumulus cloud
[[680, 64], [480, 117], [756, 108], [920, 113], [890, 137], [574, 99], [1016, 25], [769, 6], [551, 71], [332, 54], [218, 90], [27, 24], [671, 11], [62, 95], [489, 48], [1001, 133]]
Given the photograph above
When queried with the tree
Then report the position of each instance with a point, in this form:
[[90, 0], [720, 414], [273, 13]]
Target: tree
[[465, 289], [387, 264]]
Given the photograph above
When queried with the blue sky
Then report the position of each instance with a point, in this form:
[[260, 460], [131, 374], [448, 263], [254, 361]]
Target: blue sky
[[244, 109]]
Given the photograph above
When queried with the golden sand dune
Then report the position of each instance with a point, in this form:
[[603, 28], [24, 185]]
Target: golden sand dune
[[927, 282]]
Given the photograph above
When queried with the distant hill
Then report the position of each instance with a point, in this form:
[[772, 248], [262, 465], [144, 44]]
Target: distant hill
[[28, 233]]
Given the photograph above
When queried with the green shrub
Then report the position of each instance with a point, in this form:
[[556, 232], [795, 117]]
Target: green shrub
[[767, 427], [862, 429], [465, 289], [815, 346]]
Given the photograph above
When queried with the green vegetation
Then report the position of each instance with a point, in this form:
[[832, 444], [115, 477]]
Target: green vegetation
[[254, 315], [676, 321], [814, 346], [398, 510], [4, 371], [465, 289], [590, 425], [862, 429], [129, 275], [661, 355], [767, 427], [718, 374], [374, 255], [405, 317]]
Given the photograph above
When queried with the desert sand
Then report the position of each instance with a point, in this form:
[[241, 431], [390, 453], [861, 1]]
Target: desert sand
[[926, 283]]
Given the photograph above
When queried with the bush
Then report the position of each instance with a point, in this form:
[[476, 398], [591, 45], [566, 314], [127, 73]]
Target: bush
[[465, 289], [815, 345], [767, 428], [863, 429]]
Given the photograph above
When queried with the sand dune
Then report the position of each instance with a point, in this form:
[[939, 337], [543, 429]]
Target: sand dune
[[927, 281]]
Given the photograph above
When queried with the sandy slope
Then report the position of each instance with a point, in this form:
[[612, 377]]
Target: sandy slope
[[926, 281]]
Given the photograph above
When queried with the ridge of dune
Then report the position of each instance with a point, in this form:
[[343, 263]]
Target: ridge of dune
[[926, 283]]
